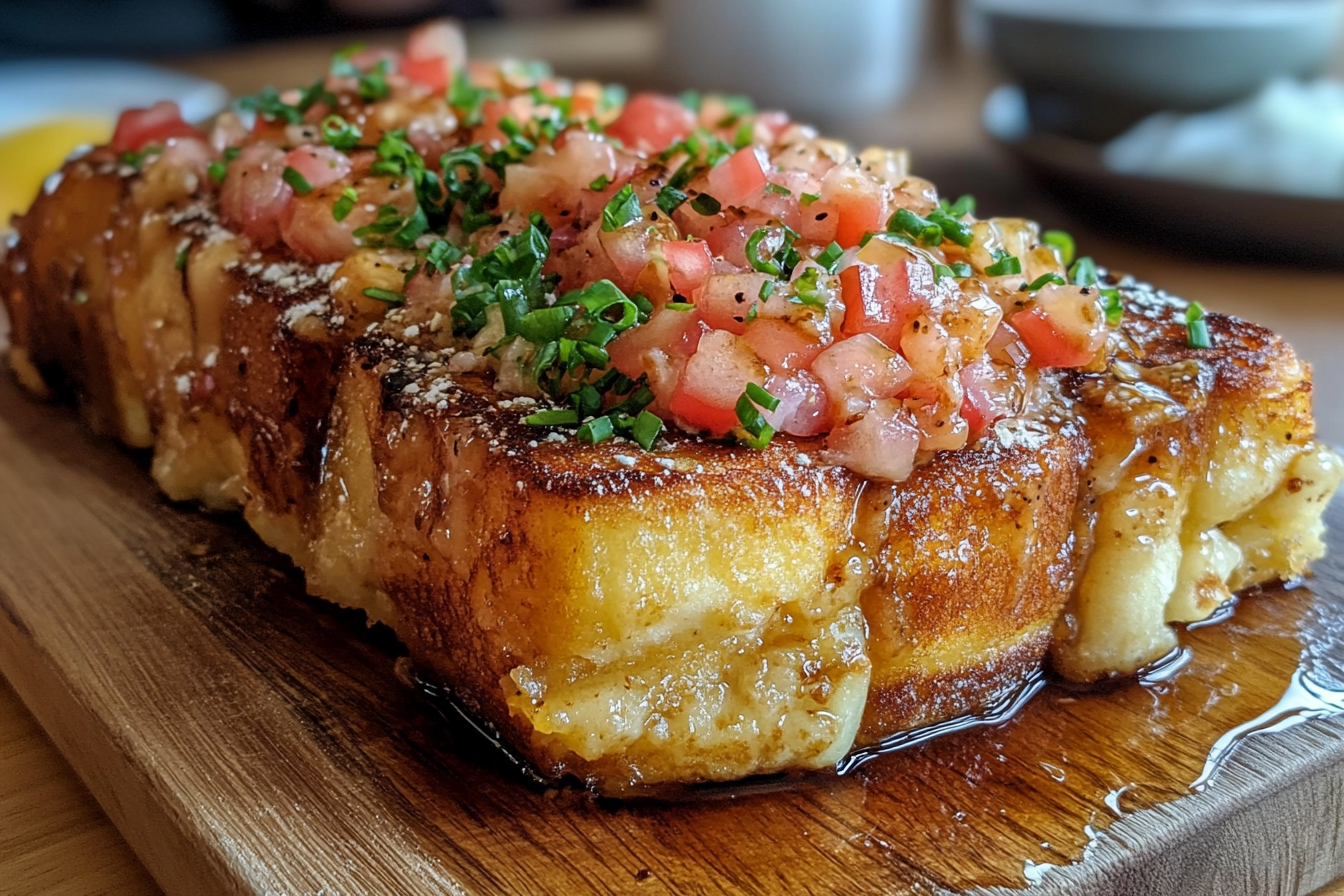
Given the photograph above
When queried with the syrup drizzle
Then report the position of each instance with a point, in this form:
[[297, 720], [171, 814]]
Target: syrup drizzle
[[1001, 710], [1305, 699]]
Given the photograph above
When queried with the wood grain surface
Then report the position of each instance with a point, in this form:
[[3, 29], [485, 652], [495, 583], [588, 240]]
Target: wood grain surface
[[247, 739]]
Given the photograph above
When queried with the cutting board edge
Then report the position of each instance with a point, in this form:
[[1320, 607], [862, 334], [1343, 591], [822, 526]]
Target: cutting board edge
[[108, 773], [1228, 840]]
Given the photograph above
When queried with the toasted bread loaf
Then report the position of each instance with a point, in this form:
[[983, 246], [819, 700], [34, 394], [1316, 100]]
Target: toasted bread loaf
[[702, 611]]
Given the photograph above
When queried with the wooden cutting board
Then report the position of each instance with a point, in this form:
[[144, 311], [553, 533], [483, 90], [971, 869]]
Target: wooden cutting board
[[247, 739]]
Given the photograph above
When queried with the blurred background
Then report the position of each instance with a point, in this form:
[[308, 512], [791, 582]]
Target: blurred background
[[1198, 144]]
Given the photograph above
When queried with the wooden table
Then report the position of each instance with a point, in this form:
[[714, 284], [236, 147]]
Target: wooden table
[[54, 839]]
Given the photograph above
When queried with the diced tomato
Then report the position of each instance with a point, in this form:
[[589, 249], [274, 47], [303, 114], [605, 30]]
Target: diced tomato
[[726, 299], [859, 201], [658, 349], [859, 369], [628, 249], [138, 128], [438, 39], [804, 408], [738, 178], [555, 181], [981, 406], [651, 122], [880, 445], [254, 194], [432, 73], [880, 300], [688, 264], [676, 332], [309, 228], [1006, 347], [1065, 328], [781, 345], [817, 222], [319, 165], [714, 379], [729, 241], [782, 204]]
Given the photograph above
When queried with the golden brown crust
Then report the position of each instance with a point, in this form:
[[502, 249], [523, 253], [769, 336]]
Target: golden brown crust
[[547, 580]]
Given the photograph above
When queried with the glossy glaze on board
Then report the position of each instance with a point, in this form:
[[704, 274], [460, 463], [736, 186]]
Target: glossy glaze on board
[[248, 739]]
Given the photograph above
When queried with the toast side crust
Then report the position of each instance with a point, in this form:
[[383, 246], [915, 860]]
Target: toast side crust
[[702, 612]]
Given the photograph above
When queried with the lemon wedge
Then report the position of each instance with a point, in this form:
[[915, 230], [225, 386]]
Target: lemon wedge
[[29, 154]]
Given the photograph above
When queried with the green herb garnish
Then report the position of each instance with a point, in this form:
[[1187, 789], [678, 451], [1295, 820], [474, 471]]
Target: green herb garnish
[[706, 205], [646, 429], [385, 295], [622, 210], [1063, 243], [1114, 308], [296, 180], [830, 256], [921, 229], [1042, 280], [344, 204], [1083, 272], [1004, 265], [552, 418], [1197, 329]]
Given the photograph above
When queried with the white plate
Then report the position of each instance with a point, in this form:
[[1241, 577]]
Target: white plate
[[32, 91]]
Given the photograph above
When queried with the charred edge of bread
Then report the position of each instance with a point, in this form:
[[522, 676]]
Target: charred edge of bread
[[860, 609]]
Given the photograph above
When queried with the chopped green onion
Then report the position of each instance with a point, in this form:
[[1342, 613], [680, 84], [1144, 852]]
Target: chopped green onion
[[762, 397], [296, 180], [599, 183], [942, 271], [962, 207], [441, 255], [1197, 329], [1083, 272], [339, 133], [752, 251], [180, 262], [691, 99], [1006, 264], [647, 428], [829, 256], [217, 170], [598, 429], [678, 306], [599, 297], [958, 232], [758, 431], [746, 133], [587, 401], [340, 210], [622, 210], [962, 270], [738, 105], [670, 199], [1043, 280], [706, 204], [1115, 310], [372, 85], [1063, 242], [809, 198], [808, 290], [922, 229], [552, 418], [545, 324], [385, 295], [778, 190]]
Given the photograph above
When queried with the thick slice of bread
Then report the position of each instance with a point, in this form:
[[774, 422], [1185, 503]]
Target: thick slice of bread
[[702, 611]]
